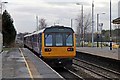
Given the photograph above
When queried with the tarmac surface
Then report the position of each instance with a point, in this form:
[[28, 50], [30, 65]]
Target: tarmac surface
[[103, 52], [13, 65], [23, 64]]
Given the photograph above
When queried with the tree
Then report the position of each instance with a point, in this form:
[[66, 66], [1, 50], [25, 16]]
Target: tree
[[82, 32], [42, 23], [8, 30]]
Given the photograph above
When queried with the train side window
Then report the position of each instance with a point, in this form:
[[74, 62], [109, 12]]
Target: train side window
[[35, 38], [48, 40]]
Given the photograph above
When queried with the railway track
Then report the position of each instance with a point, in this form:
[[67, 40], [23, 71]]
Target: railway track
[[68, 74], [96, 69], [101, 61]]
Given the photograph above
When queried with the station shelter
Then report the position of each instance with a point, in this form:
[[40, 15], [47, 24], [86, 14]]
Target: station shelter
[[117, 21]]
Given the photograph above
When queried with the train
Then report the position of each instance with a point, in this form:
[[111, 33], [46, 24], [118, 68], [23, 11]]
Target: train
[[56, 45]]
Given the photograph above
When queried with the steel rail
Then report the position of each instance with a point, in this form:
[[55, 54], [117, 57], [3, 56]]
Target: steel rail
[[100, 74], [81, 78], [109, 70]]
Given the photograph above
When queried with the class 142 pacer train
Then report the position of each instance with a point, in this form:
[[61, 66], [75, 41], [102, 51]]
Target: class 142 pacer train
[[56, 45]]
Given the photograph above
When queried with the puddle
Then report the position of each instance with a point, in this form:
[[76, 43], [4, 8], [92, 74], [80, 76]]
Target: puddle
[[20, 60]]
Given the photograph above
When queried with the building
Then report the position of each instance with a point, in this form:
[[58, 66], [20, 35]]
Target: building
[[117, 20]]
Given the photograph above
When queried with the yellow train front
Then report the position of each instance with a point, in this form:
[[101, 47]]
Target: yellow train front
[[56, 45]]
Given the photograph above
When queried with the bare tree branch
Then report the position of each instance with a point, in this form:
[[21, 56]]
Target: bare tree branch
[[42, 23], [86, 26]]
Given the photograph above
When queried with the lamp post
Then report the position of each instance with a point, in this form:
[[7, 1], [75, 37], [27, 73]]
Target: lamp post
[[37, 19], [101, 25], [98, 29], [92, 23], [110, 29], [82, 29], [71, 23]]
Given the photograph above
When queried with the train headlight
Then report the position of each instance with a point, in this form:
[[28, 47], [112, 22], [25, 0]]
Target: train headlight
[[47, 49], [70, 49]]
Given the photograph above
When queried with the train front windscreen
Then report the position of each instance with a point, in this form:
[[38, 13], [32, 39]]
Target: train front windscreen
[[59, 39]]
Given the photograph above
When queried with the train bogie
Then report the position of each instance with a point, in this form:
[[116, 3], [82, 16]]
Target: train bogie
[[59, 62]]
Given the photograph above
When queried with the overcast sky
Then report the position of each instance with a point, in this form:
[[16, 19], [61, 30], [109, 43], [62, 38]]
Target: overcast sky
[[24, 12]]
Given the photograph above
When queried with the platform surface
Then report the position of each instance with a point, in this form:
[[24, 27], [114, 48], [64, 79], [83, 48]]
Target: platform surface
[[14, 65], [103, 52], [43, 69]]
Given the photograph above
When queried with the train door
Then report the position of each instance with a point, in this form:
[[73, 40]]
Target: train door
[[40, 43]]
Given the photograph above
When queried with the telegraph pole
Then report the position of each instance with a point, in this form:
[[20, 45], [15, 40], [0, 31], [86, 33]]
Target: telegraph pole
[[71, 23]]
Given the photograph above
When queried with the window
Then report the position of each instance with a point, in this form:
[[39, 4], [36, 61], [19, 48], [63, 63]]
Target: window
[[59, 40], [69, 40], [48, 40]]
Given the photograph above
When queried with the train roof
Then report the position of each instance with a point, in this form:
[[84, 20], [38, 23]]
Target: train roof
[[51, 29], [40, 31], [58, 29], [27, 35], [36, 32]]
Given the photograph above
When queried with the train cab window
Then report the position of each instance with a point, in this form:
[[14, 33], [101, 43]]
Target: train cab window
[[69, 40], [48, 40], [59, 40]]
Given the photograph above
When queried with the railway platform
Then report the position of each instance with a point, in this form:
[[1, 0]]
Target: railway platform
[[20, 63], [103, 52]]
